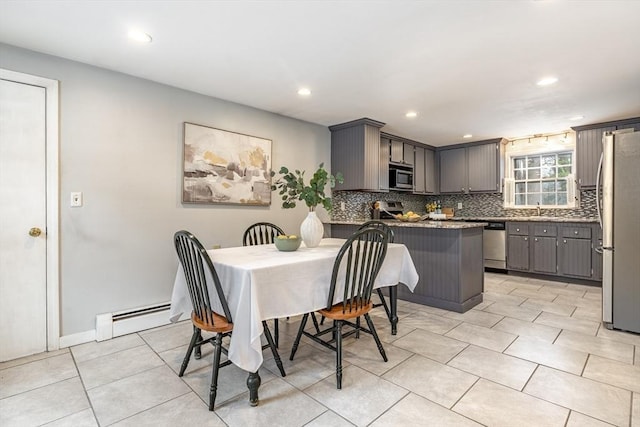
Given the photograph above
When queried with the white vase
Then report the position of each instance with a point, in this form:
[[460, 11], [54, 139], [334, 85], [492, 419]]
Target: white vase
[[311, 230]]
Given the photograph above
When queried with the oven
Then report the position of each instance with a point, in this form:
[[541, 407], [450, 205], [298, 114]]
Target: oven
[[494, 245]]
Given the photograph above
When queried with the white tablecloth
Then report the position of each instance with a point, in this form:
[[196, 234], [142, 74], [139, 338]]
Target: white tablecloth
[[263, 283]]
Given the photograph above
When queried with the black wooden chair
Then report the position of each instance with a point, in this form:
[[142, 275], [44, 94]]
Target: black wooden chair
[[263, 233], [390, 235], [210, 312], [360, 258]]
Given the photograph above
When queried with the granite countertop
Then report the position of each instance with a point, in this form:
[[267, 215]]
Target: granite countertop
[[528, 219], [455, 225], [480, 221]]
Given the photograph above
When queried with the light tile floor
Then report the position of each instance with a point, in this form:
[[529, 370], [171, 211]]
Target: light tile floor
[[532, 354]]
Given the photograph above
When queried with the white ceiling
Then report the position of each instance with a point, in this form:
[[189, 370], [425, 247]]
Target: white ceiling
[[463, 66]]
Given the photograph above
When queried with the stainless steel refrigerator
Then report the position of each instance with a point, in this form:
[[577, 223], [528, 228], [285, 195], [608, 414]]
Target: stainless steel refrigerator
[[619, 214]]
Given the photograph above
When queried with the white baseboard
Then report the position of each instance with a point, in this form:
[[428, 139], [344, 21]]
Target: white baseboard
[[76, 339]]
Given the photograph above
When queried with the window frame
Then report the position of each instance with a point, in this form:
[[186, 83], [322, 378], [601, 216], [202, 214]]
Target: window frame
[[540, 149]]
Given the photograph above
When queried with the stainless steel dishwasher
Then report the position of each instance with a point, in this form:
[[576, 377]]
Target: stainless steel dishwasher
[[494, 245]]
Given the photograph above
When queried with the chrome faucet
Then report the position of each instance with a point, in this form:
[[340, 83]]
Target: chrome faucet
[[538, 208]]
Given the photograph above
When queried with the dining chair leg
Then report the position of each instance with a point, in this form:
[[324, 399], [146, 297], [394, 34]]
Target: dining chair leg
[[383, 301], [276, 333], [198, 349], [303, 322], [185, 362], [272, 346], [375, 336], [338, 336], [315, 322], [213, 390]]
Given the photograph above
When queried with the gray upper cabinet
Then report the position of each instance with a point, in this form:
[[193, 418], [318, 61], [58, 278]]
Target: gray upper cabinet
[[419, 171], [588, 151], [397, 151], [589, 148], [355, 151], [424, 172], [401, 152], [430, 171], [385, 147], [453, 170], [408, 153], [470, 169], [483, 167]]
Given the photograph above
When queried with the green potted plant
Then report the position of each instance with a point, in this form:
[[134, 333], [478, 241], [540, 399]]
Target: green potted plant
[[292, 188]]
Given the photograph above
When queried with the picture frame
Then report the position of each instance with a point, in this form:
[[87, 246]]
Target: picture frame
[[224, 167]]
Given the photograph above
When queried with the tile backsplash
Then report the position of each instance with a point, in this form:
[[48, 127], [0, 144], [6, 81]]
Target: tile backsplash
[[358, 204]]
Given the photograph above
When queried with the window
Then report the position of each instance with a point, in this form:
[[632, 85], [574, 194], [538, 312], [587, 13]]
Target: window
[[542, 179]]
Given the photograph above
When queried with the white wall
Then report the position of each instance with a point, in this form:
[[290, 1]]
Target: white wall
[[121, 145]]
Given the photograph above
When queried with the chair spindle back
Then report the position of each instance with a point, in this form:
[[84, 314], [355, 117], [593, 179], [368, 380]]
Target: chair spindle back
[[195, 263], [261, 233], [360, 258]]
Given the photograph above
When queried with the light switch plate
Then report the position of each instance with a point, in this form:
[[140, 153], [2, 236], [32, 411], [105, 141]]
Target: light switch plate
[[76, 199]]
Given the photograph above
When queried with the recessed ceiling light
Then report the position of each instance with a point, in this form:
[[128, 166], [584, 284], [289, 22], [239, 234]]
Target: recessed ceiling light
[[547, 81], [574, 118], [304, 91], [411, 114], [140, 36], [466, 136]]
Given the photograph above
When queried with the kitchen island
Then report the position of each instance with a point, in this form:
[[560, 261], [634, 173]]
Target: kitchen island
[[447, 256]]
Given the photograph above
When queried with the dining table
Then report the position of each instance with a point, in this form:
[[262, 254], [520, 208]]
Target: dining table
[[262, 283]]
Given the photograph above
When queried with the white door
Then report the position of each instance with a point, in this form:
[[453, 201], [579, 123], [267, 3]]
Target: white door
[[24, 309]]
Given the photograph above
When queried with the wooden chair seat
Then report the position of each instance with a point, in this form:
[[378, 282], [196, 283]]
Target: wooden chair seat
[[337, 312], [220, 323]]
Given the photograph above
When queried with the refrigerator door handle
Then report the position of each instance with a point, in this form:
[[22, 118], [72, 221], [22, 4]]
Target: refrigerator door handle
[[598, 176]]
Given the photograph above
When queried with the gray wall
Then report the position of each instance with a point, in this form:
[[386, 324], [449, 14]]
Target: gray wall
[[121, 145]]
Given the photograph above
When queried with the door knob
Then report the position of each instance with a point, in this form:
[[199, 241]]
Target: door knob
[[35, 232]]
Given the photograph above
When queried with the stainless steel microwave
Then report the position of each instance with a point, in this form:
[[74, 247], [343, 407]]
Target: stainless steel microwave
[[400, 178]]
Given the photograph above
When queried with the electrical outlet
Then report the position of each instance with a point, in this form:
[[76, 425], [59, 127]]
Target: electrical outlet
[[459, 205], [76, 199]]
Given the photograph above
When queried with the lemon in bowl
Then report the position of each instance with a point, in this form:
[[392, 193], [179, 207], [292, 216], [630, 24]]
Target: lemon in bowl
[[287, 242]]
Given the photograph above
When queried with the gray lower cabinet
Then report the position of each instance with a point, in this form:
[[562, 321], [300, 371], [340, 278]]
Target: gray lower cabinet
[[449, 263], [564, 249], [596, 257], [544, 255], [575, 254], [518, 253]]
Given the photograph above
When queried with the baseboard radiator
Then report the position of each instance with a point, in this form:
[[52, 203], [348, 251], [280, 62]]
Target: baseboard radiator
[[110, 325]]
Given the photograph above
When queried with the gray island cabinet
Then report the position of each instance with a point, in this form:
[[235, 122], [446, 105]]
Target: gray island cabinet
[[447, 256]]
